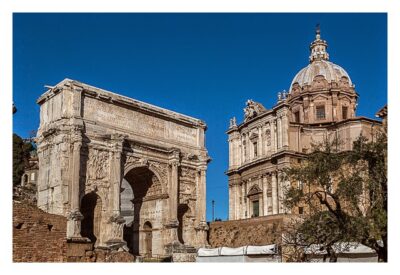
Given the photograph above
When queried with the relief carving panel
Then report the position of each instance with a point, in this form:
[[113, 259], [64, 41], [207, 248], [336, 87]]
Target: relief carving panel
[[98, 166]]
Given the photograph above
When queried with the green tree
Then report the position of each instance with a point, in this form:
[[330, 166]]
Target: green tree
[[21, 154], [345, 197]]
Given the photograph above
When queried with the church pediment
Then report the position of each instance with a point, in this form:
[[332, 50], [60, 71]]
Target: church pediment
[[344, 98], [254, 190], [320, 97]]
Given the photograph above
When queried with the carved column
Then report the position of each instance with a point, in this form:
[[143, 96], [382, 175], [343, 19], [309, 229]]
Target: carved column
[[280, 193], [260, 142], [243, 204], [116, 221], [231, 201], [201, 206], [173, 193], [279, 132], [285, 186], [263, 141], [75, 216], [273, 137], [285, 131], [230, 152], [241, 151], [247, 200], [236, 189], [274, 194], [261, 197], [202, 193], [248, 151], [265, 194]]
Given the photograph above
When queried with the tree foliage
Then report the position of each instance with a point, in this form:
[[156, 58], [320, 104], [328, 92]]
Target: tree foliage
[[21, 154], [344, 194]]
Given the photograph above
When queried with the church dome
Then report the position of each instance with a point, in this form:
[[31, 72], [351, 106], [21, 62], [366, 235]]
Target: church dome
[[320, 66]]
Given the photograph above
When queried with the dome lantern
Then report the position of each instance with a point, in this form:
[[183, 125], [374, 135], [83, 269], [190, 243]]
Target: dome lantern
[[318, 47]]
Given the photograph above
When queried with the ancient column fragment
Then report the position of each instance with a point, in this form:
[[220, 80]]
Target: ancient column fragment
[[75, 216], [174, 191]]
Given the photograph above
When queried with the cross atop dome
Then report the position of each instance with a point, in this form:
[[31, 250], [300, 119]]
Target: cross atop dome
[[318, 47], [318, 32]]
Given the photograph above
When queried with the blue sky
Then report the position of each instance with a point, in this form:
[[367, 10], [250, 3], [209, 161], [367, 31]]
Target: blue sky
[[202, 65]]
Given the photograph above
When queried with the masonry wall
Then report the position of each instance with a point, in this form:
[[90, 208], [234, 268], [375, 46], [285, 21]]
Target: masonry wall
[[255, 231], [41, 237], [38, 236]]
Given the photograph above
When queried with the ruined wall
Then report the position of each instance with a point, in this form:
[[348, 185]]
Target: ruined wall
[[38, 236], [41, 237], [256, 231]]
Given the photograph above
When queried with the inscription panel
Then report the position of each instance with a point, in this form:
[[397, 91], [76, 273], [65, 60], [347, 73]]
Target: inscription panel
[[137, 122]]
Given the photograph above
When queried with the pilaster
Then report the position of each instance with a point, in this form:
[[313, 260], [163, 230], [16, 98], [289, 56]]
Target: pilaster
[[274, 193], [265, 195]]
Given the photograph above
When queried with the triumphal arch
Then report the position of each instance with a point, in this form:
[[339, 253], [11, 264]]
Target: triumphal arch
[[126, 174]]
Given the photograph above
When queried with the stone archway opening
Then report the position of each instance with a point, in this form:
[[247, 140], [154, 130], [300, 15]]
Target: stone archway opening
[[183, 211], [91, 210], [141, 206]]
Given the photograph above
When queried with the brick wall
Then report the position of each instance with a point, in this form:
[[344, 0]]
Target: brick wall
[[254, 231], [37, 236], [41, 237]]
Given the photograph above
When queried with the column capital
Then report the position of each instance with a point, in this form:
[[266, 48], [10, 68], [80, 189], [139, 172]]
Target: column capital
[[76, 134], [175, 153], [174, 162]]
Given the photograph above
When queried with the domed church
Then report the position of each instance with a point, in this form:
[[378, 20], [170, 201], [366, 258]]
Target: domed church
[[321, 102]]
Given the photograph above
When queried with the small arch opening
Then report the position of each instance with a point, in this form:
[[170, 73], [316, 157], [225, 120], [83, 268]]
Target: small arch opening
[[91, 211]]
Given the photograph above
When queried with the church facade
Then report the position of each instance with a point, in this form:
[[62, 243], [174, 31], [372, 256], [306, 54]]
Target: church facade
[[321, 103]]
